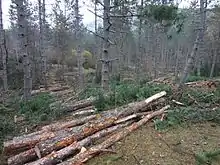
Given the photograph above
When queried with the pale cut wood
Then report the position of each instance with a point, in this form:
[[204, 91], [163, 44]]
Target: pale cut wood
[[93, 151]]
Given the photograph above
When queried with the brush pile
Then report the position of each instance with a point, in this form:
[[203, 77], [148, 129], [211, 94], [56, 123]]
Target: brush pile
[[86, 135]]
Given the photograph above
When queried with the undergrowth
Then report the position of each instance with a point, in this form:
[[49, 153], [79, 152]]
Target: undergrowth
[[201, 96], [37, 110], [122, 93], [193, 78], [185, 116], [207, 157]]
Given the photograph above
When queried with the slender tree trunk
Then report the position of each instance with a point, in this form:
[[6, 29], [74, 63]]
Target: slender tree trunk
[[140, 47], [79, 51], [3, 51], [199, 39], [105, 60], [22, 33], [213, 62], [43, 55]]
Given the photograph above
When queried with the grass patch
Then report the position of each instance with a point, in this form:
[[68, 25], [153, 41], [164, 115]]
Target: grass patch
[[207, 157]]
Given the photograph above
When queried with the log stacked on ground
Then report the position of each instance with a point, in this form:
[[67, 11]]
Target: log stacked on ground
[[57, 141]]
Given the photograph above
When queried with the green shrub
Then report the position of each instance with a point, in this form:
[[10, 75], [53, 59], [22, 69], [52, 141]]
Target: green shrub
[[195, 78], [201, 96], [38, 109], [207, 157], [179, 116]]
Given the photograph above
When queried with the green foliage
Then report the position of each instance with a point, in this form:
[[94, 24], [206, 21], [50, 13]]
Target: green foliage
[[179, 116], [38, 109], [122, 93], [207, 157], [193, 78], [7, 126], [201, 96], [161, 12], [89, 61]]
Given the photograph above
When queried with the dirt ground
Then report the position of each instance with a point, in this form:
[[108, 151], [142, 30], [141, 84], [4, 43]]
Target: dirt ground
[[177, 146]]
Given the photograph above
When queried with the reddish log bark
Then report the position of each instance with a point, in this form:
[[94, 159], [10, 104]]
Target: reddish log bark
[[60, 141], [22, 143], [57, 156], [69, 124], [85, 156]]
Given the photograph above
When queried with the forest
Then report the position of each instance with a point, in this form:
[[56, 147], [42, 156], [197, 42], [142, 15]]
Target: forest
[[139, 86]]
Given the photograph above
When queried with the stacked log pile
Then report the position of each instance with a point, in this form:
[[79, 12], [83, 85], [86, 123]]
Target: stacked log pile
[[75, 141]]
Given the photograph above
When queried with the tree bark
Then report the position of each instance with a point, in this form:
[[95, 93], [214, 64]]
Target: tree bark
[[58, 156], [22, 33], [28, 141], [93, 151], [199, 39], [105, 60], [3, 51], [59, 139], [213, 63], [79, 51]]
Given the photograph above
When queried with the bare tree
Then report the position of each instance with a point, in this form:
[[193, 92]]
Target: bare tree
[[199, 38], [79, 49], [22, 33], [3, 51], [105, 57]]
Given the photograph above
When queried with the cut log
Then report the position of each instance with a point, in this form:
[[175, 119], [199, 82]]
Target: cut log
[[51, 89], [93, 151], [65, 139], [22, 143], [62, 140], [83, 113], [136, 107], [78, 105], [29, 142], [18, 144], [57, 156], [62, 125]]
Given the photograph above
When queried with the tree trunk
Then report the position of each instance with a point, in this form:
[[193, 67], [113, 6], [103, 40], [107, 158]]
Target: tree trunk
[[199, 39], [140, 45], [105, 60], [93, 151], [22, 33], [79, 51], [213, 62], [3, 51], [42, 20]]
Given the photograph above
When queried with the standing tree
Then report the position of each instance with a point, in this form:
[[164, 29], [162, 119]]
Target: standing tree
[[79, 49], [42, 23], [105, 57], [3, 51], [22, 34], [199, 39]]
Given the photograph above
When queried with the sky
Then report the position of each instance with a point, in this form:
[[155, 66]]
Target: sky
[[85, 6]]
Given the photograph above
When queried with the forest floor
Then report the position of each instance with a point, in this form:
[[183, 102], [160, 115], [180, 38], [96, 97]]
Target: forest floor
[[176, 146]]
